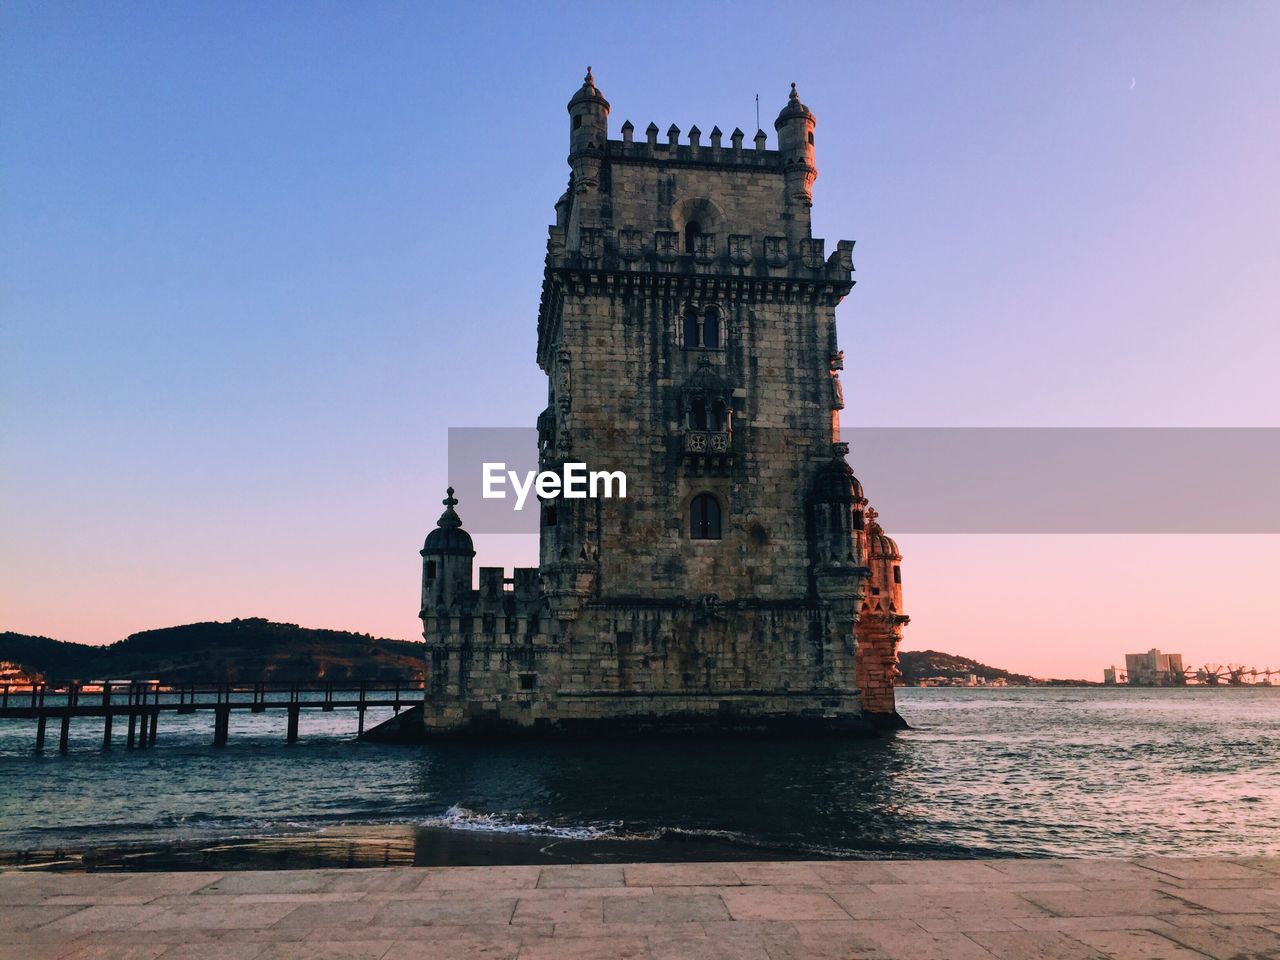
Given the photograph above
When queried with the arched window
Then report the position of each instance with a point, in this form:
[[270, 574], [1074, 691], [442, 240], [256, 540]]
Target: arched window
[[718, 416], [701, 328], [692, 231], [704, 517], [692, 332], [698, 414], [711, 328]]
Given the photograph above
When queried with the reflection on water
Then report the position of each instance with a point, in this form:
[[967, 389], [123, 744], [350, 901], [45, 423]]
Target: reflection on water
[[1014, 772]]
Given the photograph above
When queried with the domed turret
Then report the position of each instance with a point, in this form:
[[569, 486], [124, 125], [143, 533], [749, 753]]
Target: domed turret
[[795, 126], [446, 560], [879, 627], [884, 559], [836, 503], [588, 133], [835, 483], [880, 545]]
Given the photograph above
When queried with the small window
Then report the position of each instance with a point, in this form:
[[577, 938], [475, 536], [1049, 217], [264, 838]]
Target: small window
[[875, 591], [897, 573], [719, 416], [692, 333], [528, 681], [711, 329], [577, 122], [811, 139], [702, 328], [692, 231], [857, 520], [431, 569], [704, 517], [698, 414]]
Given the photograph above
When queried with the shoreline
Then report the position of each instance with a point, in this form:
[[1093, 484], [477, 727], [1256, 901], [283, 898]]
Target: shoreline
[[390, 845], [746, 910]]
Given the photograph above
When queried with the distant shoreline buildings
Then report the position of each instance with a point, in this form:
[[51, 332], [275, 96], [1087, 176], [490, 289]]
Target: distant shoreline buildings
[[1156, 669]]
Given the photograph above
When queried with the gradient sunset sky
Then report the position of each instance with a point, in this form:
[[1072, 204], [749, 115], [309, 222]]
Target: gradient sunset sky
[[256, 259]]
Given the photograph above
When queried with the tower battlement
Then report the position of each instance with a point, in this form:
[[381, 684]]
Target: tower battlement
[[735, 153]]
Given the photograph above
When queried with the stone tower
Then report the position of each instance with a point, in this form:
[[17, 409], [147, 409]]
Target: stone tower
[[687, 330]]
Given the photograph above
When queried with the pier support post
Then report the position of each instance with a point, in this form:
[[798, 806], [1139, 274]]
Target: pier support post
[[221, 721], [294, 710], [360, 710], [142, 729], [64, 736], [40, 724], [106, 716], [133, 728], [151, 737]]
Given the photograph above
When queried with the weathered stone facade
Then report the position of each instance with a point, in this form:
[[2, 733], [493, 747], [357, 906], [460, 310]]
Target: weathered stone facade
[[687, 329]]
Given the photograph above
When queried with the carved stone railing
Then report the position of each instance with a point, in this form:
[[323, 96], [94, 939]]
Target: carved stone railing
[[715, 443]]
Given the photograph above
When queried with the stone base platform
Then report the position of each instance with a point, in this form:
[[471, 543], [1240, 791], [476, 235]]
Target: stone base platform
[[830, 910]]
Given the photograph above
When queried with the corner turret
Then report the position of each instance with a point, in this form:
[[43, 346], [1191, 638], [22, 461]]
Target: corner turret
[[795, 142], [447, 558], [879, 627], [588, 133]]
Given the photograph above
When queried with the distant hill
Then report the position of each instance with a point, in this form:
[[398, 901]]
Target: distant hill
[[917, 665], [241, 650], [257, 649]]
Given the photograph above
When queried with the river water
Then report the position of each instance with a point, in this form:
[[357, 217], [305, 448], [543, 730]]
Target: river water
[[1004, 772]]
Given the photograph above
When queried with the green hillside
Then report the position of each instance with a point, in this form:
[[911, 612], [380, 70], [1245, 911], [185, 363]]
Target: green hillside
[[917, 665], [240, 650]]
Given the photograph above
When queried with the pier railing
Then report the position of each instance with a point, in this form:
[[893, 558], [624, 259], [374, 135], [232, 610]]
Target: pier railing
[[142, 702]]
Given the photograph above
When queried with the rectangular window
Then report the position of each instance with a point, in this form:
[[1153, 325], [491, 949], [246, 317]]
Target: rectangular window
[[528, 681], [431, 569], [897, 574]]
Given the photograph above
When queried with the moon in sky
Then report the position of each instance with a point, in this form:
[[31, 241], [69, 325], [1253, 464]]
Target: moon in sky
[[1133, 82]]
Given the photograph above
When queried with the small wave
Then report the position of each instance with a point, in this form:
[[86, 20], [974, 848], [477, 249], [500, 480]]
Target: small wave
[[458, 817]]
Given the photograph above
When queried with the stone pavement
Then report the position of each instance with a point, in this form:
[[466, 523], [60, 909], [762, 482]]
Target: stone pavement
[[830, 910]]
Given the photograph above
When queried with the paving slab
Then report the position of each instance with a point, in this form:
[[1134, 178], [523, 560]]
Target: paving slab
[[1025, 945], [1137, 945], [1149, 909]]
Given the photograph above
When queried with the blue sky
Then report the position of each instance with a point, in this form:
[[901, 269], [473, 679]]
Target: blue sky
[[255, 259]]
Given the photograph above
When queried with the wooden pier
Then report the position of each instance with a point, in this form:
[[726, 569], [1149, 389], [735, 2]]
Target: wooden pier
[[142, 703]]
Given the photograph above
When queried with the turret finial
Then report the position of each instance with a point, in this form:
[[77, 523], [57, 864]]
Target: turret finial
[[588, 79], [450, 517], [794, 95], [872, 513]]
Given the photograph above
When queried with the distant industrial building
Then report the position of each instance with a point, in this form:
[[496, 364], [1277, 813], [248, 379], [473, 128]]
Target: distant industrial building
[[1154, 669]]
